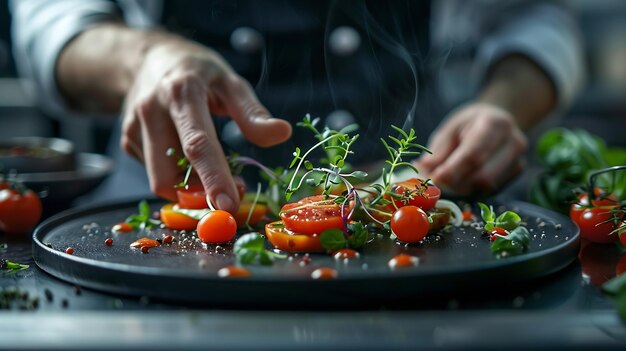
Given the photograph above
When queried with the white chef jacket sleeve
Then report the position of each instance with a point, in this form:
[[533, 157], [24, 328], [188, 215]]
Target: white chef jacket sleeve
[[548, 35], [41, 29]]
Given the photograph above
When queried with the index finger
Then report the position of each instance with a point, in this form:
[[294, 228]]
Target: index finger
[[192, 119]]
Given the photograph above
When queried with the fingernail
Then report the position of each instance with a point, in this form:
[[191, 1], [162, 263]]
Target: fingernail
[[224, 202]]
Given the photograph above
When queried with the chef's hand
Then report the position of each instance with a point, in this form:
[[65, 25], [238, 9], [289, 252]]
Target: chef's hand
[[479, 147], [179, 87], [475, 150]]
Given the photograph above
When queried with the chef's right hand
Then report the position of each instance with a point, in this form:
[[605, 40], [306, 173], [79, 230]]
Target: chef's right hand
[[178, 88]]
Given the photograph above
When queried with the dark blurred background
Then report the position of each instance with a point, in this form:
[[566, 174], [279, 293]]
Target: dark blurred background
[[600, 108]]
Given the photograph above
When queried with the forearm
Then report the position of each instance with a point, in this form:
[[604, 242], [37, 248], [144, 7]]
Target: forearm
[[96, 69], [519, 86]]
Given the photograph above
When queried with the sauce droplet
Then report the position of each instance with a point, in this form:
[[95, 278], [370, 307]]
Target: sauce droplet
[[233, 272], [324, 273], [122, 227], [168, 239], [145, 242], [108, 242], [69, 251], [346, 254], [403, 261]]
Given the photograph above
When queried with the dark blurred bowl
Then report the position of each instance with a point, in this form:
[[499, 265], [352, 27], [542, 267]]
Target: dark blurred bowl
[[59, 189], [35, 154]]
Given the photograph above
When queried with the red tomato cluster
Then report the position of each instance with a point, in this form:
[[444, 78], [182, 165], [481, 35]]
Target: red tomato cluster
[[410, 222], [597, 219]]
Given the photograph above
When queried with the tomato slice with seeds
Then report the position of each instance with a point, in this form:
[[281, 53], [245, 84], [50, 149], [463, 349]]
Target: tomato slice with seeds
[[313, 215], [416, 193]]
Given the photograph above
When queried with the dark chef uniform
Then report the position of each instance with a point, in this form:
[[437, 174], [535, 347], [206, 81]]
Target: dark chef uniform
[[368, 62]]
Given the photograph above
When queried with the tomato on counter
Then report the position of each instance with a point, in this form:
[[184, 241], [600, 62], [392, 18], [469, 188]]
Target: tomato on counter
[[20, 208]]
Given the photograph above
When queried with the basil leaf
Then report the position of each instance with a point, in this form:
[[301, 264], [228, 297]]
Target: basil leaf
[[333, 239], [486, 213], [359, 235], [508, 220], [250, 248], [144, 209], [515, 243]]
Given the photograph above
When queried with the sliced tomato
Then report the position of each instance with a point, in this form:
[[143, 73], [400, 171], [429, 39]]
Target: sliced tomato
[[175, 220], [313, 215], [286, 240], [192, 196], [258, 213], [415, 193]]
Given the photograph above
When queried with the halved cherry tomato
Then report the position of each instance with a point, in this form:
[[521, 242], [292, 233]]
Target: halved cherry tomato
[[410, 224], [288, 241], [217, 227], [596, 224], [420, 195], [19, 210], [259, 211], [192, 196], [577, 208], [313, 215], [175, 220]]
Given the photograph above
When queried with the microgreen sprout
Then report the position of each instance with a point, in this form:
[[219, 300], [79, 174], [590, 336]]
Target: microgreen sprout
[[143, 219], [12, 267], [182, 162]]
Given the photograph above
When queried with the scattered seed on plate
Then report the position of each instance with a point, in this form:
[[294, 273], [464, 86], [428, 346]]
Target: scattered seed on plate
[[108, 242]]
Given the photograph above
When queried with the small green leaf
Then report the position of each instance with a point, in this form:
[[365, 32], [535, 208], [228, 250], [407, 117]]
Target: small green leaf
[[359, 235], [360, 175], [508, 220], [515, 243], [308, 165], [615, 286], [144, 209], [486, 212], [402, 132], [332, 239]]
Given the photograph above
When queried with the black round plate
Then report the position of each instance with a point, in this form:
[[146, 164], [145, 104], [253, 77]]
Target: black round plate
[[187, 270]]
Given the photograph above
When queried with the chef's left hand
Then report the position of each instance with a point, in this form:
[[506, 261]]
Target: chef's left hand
[[475, 150]]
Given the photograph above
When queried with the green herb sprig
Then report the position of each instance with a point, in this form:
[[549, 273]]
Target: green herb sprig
[[12, 267], [334, 239], [143, 219], [250, 248]]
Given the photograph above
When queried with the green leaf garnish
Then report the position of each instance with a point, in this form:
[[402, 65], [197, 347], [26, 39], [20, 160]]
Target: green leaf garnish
[[144, 218], [508, 220], [333, 239], [250, 249], [515, 243], [359, 235], [12, 266]]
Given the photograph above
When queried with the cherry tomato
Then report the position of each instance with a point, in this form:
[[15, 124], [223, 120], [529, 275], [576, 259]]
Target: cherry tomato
[[313, 215], [595, 225], [577, 208], [258, 213], [175, 220], [497, 231], [288, 241], [410, 224], [20, 210], [217, 227], [192, 196], [424, 197]]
